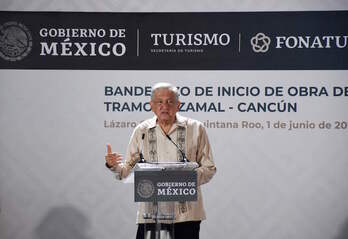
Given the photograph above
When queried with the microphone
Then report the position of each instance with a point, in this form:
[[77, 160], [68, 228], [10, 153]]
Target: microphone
[[184, 159], [142, 160]]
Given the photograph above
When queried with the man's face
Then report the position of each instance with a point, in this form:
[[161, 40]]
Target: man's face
[[165, 105]]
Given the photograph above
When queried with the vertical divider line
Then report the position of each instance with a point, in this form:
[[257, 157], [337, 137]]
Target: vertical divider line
[[137, 41], [239, 43]]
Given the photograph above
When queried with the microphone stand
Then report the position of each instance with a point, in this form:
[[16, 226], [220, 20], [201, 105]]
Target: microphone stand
[[184, 159]]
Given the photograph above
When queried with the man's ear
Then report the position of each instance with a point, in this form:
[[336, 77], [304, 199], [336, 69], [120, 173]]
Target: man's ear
[[151, 105], [178, 106]]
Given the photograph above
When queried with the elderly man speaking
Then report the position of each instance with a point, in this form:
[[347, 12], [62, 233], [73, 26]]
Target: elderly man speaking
[[191, 138]]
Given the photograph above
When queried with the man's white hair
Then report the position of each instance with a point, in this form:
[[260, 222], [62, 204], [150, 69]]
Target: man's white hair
[[164, 85]]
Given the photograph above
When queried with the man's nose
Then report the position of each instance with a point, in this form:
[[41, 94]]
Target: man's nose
[[165, 105]]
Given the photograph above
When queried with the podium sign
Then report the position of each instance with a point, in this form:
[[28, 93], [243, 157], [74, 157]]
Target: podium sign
[[165, 185], [160, 185]]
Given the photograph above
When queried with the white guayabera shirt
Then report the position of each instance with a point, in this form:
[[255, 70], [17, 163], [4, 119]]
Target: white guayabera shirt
[[191, 137]]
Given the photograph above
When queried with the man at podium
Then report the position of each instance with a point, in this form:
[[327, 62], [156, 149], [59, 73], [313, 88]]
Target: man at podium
[[169, 137]]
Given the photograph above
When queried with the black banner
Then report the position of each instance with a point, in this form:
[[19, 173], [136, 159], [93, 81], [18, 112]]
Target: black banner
[[174, 41]]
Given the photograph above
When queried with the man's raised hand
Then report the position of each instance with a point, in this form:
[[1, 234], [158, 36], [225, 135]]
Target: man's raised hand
[[112, 159]]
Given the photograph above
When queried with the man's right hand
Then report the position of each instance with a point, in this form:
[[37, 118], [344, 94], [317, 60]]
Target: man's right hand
[[112, 159]]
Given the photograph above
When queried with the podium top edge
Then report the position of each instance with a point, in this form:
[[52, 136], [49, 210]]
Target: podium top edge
[[166, 166]]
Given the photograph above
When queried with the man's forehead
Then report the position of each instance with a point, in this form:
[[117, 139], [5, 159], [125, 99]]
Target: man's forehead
[[164, 93]]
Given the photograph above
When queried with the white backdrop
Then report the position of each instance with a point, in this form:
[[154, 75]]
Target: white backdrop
[[271, 183]]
